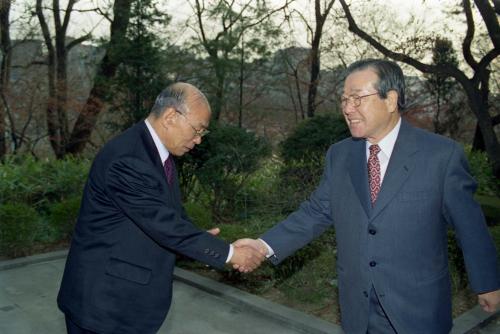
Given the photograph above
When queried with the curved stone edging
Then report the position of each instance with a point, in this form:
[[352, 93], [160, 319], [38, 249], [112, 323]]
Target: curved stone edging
[[467, 323]]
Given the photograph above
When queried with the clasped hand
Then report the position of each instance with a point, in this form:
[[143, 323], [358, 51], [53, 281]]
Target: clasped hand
[[248, 254]]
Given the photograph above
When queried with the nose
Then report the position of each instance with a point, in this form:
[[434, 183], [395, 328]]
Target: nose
[[197, 140], [349, 108]]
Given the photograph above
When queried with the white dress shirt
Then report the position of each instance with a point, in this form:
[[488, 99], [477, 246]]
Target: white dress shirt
[[164, 156], [386, 146]]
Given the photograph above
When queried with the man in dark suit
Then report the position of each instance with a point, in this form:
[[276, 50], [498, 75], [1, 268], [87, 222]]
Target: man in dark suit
[[391, 191], [119, 271]]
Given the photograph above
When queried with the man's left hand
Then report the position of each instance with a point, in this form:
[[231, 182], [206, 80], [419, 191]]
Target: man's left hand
[[489, 301], [214, 231]]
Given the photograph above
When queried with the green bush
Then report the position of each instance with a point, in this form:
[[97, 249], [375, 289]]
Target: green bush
[[199, 214], [491, 208], [23, 179], [313, 137], [457, 264], [18, 228], [495, 234], [48, 195], [482, 171], [222, 164], [63, 216], [294, 263], [303, 154]]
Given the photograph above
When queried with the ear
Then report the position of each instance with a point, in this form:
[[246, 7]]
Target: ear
[[168, 116], [392, 101]]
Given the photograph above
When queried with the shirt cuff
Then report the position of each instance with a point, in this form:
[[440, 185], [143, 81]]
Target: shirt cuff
[[230, 254], [270, 251]]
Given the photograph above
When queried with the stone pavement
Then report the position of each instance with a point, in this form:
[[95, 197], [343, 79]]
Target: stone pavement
[[28, 290]]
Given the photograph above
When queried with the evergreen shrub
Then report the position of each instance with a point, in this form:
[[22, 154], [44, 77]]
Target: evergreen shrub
[[18, 228], [222, 164]]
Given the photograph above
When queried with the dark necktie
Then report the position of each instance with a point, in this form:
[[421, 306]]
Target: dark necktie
[[374, 172], [168, 166]]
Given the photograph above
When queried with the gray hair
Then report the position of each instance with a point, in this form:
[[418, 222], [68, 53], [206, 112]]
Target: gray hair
[[174, 96], [390, 77]]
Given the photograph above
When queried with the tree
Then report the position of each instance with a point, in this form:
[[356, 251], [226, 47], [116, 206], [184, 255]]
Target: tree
[[314, 55], [295, 65], [475, 87], [236, 19], [140, 75], [4, 71], [442, 87], [57, 118], [88, 116]]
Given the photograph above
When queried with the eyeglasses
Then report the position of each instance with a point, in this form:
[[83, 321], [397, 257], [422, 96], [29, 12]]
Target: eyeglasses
[[197, 133], [354, 99]]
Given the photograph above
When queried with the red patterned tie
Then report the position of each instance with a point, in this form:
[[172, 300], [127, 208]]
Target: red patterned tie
[[374, 172], [169, 169]]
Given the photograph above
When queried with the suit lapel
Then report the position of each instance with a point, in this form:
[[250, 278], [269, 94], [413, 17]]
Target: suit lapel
[[150, 147], [358, 171], [400, 167], [152, 151], [175, 187]]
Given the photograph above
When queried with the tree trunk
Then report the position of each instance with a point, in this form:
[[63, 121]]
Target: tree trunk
[[315, 55], [87, 119], [219, 91], [313, 84], [61, 94], [241, 79], [4, 72], [485, 124]]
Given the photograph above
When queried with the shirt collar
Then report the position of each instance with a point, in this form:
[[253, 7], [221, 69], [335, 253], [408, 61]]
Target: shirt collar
[[387, 143], [159, 145]]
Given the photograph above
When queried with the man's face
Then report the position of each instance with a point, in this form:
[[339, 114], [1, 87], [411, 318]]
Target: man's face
[[185, 129], [374, 117]]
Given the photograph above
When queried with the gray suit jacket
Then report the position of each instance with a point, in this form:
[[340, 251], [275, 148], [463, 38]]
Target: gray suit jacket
[[400, 245]]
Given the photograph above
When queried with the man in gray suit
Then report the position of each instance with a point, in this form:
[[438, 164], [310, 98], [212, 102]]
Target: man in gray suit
[[391, 192]]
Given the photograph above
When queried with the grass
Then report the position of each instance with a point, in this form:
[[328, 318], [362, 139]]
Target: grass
[[491, 208]]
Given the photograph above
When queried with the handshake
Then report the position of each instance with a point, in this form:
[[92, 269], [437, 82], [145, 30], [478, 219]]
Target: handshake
[[248, 254]]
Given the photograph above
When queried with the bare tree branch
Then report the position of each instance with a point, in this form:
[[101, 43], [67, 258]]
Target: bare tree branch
[[77, 41], [490, 19], [469, 36]]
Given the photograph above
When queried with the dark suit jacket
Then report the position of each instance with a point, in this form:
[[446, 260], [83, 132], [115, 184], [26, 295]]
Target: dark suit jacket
[[400, 245], [118, 275]]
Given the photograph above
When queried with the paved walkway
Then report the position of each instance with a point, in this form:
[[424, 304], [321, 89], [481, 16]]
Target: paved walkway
[[28, 290]]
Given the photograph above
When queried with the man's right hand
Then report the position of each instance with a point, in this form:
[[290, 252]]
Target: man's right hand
[[256, 244], [246, 258]]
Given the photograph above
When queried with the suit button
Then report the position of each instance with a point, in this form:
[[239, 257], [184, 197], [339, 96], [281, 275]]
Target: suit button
[[372, 231], [206, 251], [373, 263], [365, 294], [217, 255]]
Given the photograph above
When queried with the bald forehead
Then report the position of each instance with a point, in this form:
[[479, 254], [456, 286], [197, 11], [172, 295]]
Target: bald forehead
[[193, 97]]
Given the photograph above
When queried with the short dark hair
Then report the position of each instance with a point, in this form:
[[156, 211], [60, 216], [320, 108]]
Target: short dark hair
[[390, 77], [172, 97]]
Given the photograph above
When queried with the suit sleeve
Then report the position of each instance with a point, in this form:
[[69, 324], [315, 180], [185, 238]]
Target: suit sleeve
[[307, 223], [138, 191], [466, 216]]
